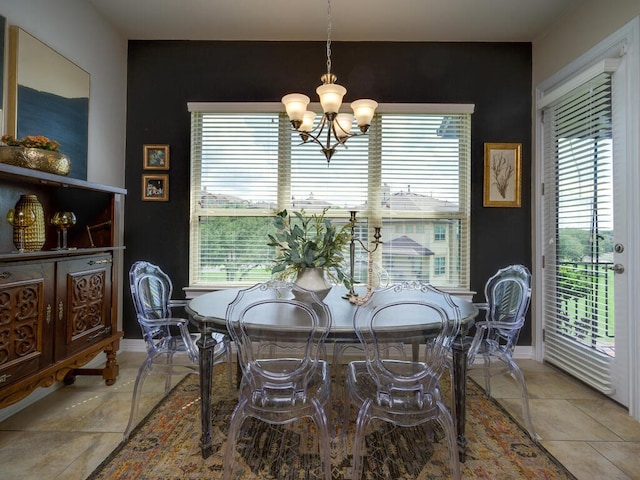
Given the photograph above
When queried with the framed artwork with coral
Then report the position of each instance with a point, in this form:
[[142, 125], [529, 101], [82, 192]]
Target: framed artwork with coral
[[502, 174]]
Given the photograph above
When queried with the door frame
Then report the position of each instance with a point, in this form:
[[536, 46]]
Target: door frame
[[625, 42]]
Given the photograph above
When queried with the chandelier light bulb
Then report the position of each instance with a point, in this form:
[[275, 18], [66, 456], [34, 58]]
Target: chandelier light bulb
[[307, 121], [296, 105], [331, 97], [363, 110], [343, 122]]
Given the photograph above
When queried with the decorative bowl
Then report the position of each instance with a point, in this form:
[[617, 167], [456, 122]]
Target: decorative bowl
[[36, 159]]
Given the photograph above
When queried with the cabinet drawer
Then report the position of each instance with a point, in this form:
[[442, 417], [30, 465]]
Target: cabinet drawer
[[25, 320], [83, 303]]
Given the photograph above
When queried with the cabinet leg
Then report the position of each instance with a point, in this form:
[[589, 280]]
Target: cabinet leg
[[111, 369], [70, 377], [109, 373]]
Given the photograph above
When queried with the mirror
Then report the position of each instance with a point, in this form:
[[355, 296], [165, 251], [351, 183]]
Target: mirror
[[48, 95]]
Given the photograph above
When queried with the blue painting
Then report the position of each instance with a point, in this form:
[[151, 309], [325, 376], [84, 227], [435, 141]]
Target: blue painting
[[49, 96], [65, 120]]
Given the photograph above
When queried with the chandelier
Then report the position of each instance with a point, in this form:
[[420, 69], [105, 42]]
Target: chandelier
[[334, 128]]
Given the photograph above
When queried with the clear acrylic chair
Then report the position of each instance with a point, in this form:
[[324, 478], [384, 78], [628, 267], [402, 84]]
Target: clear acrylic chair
[[385, 386], [380, 281], [171, 348], [507, 295], [279, 330]]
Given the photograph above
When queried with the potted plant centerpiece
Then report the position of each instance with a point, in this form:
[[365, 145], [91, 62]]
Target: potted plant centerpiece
[[309, 249]]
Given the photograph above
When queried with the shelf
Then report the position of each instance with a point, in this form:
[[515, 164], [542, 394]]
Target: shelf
[[34, 176], [13, 256]]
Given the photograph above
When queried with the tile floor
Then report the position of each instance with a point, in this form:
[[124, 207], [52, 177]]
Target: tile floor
[[68, 433]]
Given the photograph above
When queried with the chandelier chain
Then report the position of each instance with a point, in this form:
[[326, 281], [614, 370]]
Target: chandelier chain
[[328, 37]]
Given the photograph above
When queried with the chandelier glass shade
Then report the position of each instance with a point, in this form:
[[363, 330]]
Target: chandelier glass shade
[[333, 128]]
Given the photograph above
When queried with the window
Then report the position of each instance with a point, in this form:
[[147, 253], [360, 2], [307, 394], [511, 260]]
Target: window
[[409, 174], [440, 266], [439, 232]]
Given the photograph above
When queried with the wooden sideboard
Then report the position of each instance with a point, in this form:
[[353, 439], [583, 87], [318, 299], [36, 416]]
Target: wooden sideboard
[[59, 308]]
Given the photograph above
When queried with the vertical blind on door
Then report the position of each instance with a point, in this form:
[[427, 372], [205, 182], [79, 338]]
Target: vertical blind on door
[[578, 198]]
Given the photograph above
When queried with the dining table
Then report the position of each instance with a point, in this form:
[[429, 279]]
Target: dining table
[[208, 313]]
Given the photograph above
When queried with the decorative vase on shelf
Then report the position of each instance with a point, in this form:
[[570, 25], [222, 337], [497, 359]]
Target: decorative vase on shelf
[[314, 279], [33, 236]]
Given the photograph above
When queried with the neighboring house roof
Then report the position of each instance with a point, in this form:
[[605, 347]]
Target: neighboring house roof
[[207, 198], [416, 202], [405, 246], [311, 202]]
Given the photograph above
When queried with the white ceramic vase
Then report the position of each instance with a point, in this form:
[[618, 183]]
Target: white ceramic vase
[[314, 279]]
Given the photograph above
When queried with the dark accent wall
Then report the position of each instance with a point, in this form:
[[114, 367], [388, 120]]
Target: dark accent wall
[[164, 75]]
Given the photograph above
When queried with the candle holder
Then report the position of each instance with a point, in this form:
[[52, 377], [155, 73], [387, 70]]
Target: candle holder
[[21, 220], [63, 220], [352, 295]]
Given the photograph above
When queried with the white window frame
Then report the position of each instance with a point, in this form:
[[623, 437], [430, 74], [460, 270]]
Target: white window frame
[[439, 109]]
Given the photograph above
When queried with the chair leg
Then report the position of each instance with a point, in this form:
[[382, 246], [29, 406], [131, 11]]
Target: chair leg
[[517, 375], [361, 427], [346, 407], [229, 356], [167, 381], [487, 375], [143, 372], [237, 418], [446, 422], [320, 417]]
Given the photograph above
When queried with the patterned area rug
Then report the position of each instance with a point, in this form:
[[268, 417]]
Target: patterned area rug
[[165, 445]]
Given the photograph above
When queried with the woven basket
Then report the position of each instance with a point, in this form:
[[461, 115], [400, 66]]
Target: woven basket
[[34, 235]]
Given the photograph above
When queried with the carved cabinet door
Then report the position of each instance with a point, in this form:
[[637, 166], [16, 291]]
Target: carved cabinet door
[[83, 303], [26, 319]]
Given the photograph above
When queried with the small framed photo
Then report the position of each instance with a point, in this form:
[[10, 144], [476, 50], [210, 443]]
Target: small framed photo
[[155, 187], [502, 174], [155, 157]]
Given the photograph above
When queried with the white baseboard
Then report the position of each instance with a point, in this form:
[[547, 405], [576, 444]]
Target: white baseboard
[[132, 345]]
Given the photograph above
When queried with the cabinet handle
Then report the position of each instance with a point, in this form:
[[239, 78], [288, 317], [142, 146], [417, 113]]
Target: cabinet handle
[[4, 378], [49, 314], [101, 333], [5, 275], [60, 310], [99, 262]]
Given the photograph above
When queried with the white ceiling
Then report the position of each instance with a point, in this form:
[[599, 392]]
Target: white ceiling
[[352, 20]]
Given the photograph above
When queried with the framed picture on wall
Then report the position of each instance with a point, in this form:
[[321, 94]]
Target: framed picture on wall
[[502, 174], [155, 157], [155, 187]]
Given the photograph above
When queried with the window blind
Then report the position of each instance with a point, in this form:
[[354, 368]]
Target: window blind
[[578, 199], [409, 175]]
